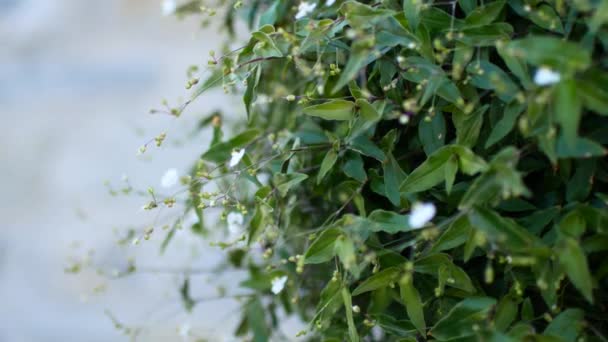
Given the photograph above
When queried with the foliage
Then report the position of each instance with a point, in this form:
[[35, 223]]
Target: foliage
[[494, 112]]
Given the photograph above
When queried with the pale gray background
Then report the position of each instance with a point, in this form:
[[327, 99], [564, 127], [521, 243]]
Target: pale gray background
[[77, 78]]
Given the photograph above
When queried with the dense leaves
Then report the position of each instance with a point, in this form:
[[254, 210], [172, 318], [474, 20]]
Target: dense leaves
[[493, 111]]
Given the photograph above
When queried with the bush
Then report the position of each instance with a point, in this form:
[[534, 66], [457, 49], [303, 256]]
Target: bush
[[412, 170]]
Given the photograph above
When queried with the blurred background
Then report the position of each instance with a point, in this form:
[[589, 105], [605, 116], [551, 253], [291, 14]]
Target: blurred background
[[77, 81]]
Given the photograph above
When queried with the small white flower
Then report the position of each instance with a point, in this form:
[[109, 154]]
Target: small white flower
[[169, 179], [168, 7], [305, 9], [545, 76], [237, 155], [235, 222], [278, 284], [329, 2], [422, 213]]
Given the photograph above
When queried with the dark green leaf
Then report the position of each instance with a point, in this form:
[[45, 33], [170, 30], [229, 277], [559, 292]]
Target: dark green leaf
[[573, 260], [413, 303], [460, 321], [432, 133]]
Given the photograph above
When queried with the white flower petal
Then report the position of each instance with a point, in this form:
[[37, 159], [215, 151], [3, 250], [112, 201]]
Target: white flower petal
[[169, 7], [278, 284], [422, 213], [304, 9], [545, 76], [235, 222], [236, 157], [329, 2], [169, 179]]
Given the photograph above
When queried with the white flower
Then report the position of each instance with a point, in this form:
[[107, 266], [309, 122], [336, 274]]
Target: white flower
[[278, 284], [545, 76], [235, 222], [329, 2], [237, 155], [422, 213], [169, 179], [305, 9], [168, 7]]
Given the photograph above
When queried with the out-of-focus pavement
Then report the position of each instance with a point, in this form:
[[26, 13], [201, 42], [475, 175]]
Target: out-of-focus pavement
[[77, 78]]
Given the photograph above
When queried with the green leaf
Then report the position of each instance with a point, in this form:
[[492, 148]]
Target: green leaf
[[327, 164], [392, 326], [252, 84], [353, 167], [348, 306], [516, 64], [363, 145], [432, 263], [468, 6], [456, 235], [485, 14], [256, 321], [501, 230], [388, 221], [184, 292], [270, 16], [432, 133], [345, 250], [265, 47], [332, 110], [286, 181], [412, 9], [550, 51], [462, 57], [568, 109], [486, 75], [362, 16], [579, 186], [468, 126], [591, 88], [256, 226], [485, 35], [429, 173], [359, 58], [546, 17], [378, 280], [527, 310], [220, 152], [505, 125], [451, 167], [580, 148], [572, 258], [413, 303], [421, 70], [393, 176], [460, 321], [468, 162], [322, 249], [506, 312], [567, 326]]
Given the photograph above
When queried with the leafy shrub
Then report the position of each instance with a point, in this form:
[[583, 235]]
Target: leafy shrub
[[414, 170]]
